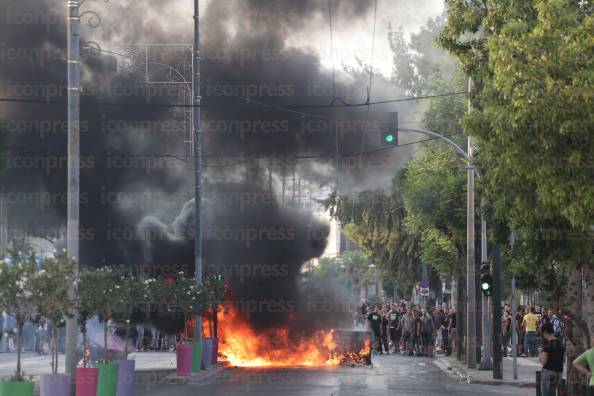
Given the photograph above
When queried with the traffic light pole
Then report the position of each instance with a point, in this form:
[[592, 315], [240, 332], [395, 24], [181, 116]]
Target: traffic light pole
[[486, 363], [497, 341]]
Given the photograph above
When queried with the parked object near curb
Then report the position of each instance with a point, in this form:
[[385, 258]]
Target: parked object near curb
[[54, 385], [125, 377], [16, 388], [184, 357], [86, 381], [108, 379], [196, 356], [207, 352]]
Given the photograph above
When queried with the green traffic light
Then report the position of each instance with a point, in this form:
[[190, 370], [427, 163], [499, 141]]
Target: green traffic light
[[389, 138], [485, 286]]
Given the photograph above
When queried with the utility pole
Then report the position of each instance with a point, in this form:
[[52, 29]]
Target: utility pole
[[470, 261], [497, 349], [486, 363], [3, 224], [196, 99], [73, 203]]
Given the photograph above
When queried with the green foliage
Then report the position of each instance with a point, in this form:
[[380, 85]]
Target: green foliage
[[435, 202], [17, 293], [533, 64], [352, 269], [51, 288]]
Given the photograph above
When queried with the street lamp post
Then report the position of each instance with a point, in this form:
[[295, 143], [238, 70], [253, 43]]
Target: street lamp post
[[73, 204], [196, 99]]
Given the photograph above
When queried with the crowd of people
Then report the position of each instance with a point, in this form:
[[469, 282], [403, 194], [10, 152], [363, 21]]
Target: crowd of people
[[413, 330], [410, 329]]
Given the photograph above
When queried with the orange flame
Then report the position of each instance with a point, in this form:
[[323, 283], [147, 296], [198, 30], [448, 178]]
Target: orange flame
[[242, 345]]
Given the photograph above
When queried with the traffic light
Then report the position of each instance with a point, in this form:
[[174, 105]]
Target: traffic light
[[390, 134], [486, 280]]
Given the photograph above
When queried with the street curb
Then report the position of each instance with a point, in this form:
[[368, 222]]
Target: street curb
[[458, 373], [195, 378]]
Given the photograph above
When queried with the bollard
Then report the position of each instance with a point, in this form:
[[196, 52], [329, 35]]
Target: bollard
[[538, 386], [562, 388], [574, 389]]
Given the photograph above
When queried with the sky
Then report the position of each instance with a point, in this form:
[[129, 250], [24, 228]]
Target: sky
[[352, 40]]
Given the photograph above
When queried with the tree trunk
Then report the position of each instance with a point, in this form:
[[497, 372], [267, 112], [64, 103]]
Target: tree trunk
[[576, 334], [588, 301], [18, 347], [54, 352], [126, 334], [105, 341], [84, 343]]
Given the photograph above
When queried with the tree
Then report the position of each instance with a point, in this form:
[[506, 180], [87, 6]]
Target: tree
[[533, 65], [51, 286], [17, 294], [95, 289], [128, 292]]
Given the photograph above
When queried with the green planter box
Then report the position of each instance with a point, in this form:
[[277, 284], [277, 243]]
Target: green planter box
[[196, 356], [108, 379], [13, 388]]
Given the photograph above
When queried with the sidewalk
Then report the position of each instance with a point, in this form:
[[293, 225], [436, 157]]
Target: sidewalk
[[35, 365], [527, 367]]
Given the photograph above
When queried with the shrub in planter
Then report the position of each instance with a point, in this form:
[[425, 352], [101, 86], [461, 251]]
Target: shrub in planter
[[52, 283], [17, 297]]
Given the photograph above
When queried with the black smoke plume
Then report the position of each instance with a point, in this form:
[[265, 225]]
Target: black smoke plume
[[136, 176]]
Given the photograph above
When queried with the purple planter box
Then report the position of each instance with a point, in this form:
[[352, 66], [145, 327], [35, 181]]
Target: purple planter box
[[54, 385], [125, 377], [206, 352], [215, 350]]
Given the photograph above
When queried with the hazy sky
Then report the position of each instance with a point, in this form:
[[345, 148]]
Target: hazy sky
[[352, 39]]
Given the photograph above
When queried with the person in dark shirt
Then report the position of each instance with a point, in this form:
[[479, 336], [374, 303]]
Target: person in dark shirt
[[445, 333], [374, 321], [453, 330], [551, 358], [393, 328], [384, 329]]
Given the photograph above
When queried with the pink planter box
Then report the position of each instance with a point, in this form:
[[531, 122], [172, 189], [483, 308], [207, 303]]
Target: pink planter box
[[86, 381], [184, 359]]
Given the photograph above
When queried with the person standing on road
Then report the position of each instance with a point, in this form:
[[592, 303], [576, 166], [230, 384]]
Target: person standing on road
[[393, 322], [140, 337], [427, 331], [506, 328], [585, 365], [408, 326], [551, 357], [374, 321], [445, 338], [437, 322], [452, 330], [384, 329], [530, 325]]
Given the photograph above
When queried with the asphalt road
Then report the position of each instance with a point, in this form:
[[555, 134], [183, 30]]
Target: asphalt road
[[390, 375]]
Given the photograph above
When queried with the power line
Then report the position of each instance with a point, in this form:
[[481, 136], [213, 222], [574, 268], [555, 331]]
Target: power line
[[247, 100], [243, 159]]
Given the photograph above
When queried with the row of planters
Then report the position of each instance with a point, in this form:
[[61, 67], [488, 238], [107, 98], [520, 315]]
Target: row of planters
[[29, 291]]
